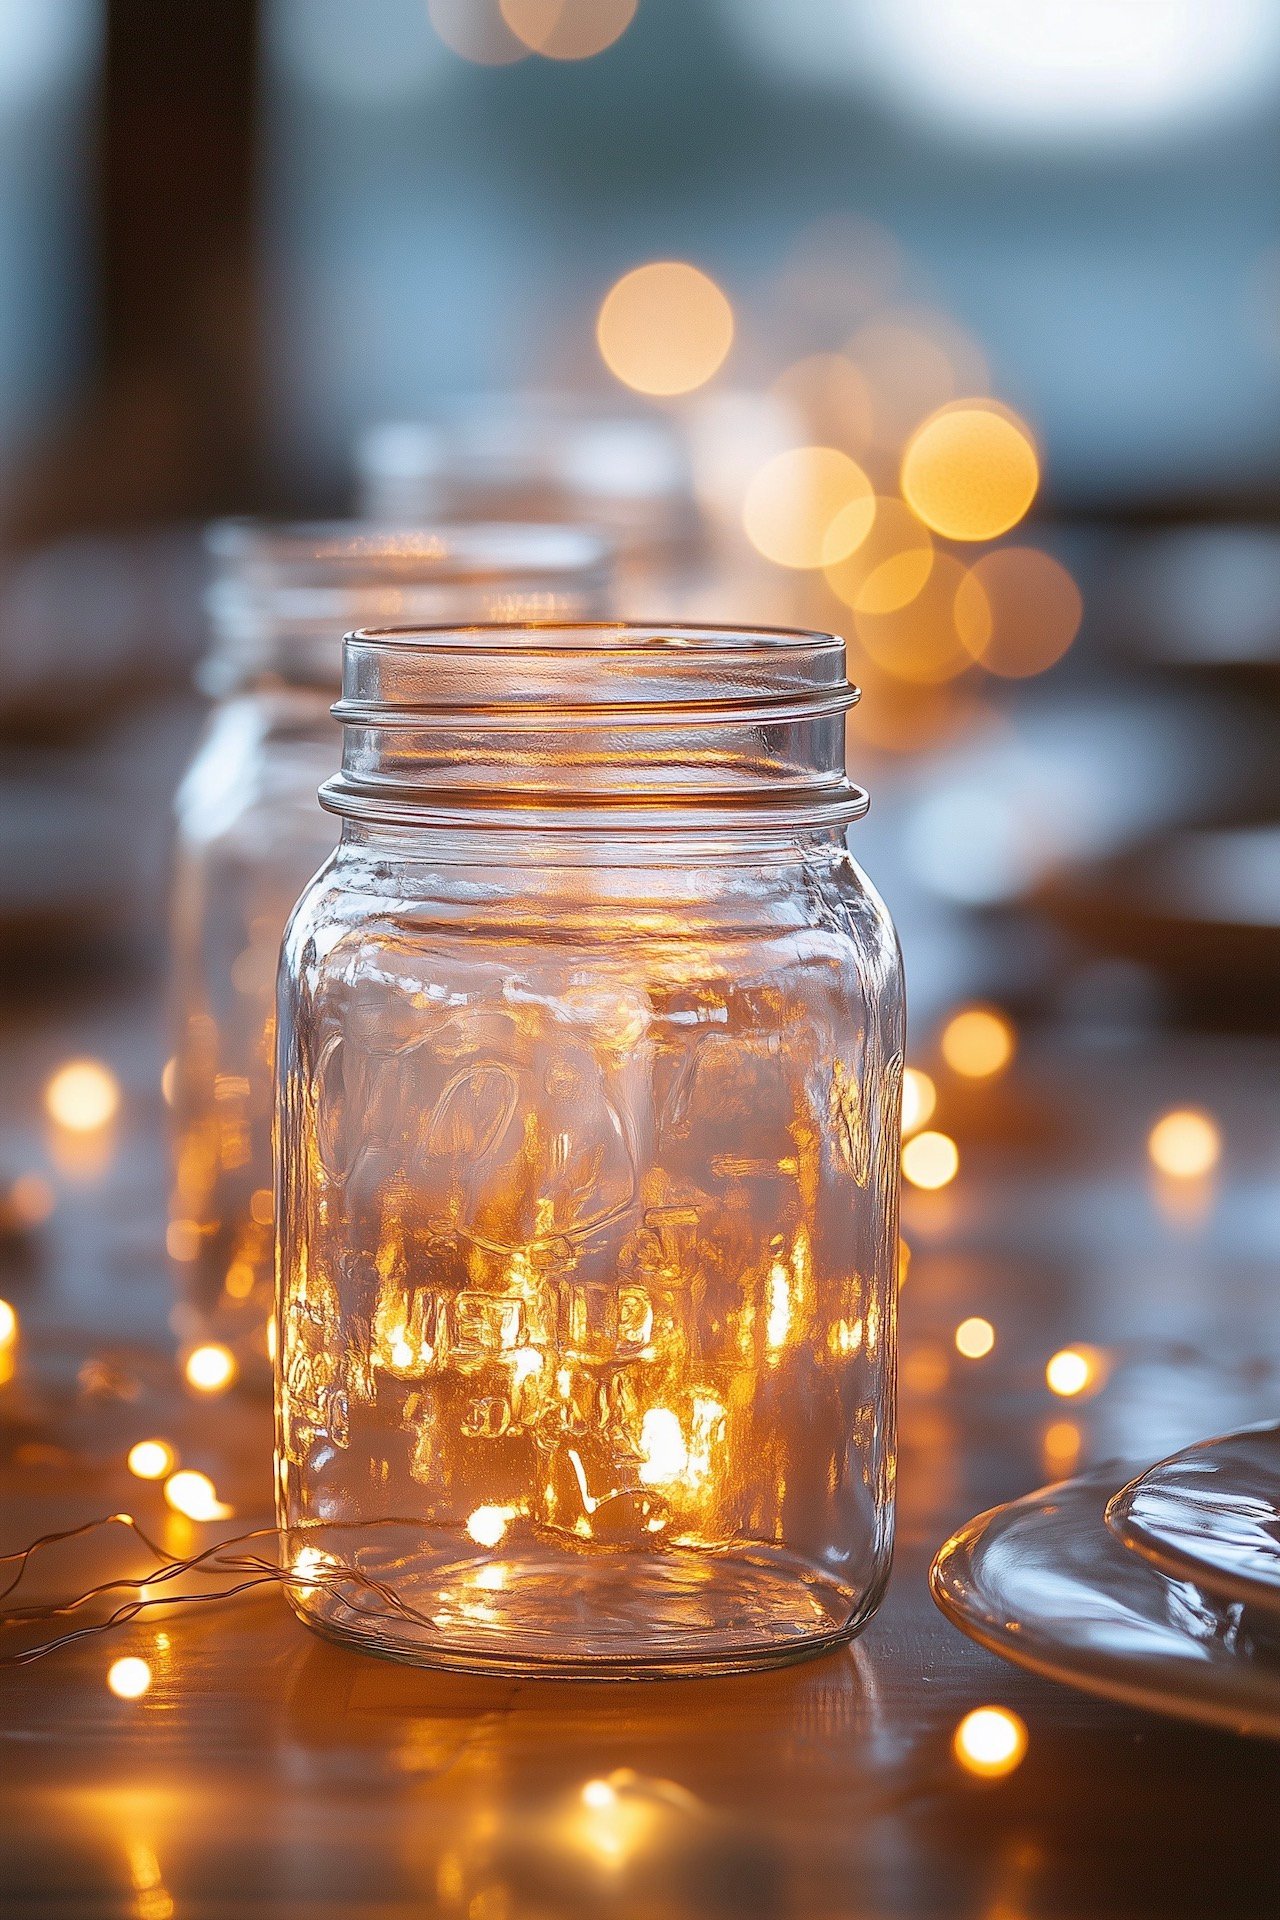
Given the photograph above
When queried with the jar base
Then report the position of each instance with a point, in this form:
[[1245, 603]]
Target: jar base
[[610, 1617]]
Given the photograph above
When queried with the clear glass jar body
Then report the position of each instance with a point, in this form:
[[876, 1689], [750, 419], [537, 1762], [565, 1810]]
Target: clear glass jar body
[[251, 832], [587, 1242]]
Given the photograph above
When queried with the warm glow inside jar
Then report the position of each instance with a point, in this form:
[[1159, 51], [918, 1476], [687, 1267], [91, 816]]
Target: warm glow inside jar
[[590, 1056], [251, 833]]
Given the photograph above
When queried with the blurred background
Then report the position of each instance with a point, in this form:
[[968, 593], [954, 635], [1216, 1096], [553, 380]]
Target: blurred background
[[962, 318]]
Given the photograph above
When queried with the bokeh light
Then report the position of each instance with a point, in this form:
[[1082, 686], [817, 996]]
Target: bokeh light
[[830, 395], [808, 506], [32, 1199], [169, 1081], [664, 328], [889, 567], [990, 1742], [182, 1239], [930, 1160], [918, 642], [477, 30], [151, 1459], [1061, 1447], [1017, 612], [8, 1324], [568, 29], [129, 1678], [913, 362], [1075, 1370], [975, 1337], [211, 1368], [970, 471], [919, 1098], [195, 1496], [1185, 1144], [977, 1042], [83, 1096]]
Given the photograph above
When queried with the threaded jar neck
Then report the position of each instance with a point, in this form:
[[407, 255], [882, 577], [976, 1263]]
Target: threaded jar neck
[[283, 595], [622, 726]]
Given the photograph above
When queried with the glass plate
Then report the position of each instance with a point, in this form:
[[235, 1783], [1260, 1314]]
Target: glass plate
[[1043, 1582], [1211, 1514]]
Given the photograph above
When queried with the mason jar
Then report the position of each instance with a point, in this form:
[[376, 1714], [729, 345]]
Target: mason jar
[[590, 1044], [250, 833], [546, 457]]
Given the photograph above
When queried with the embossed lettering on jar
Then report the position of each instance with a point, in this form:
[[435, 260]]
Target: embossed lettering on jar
[[590, 1051], [251, 833]]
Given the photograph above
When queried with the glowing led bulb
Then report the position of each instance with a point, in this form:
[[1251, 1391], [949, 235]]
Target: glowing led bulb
[[919, 1098], [599, 1794], [129, 1678], [1073, 1370], [151, 1459], [977, 1042], [1185, 1144], [195, 1496], [990, 1742], [975, 1337], [82, 1096], [930, 1160], [211, 1368], [664, 1455], [488, 1524]]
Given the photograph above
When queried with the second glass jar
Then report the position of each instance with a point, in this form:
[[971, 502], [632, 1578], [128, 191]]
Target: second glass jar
[[251, 832]]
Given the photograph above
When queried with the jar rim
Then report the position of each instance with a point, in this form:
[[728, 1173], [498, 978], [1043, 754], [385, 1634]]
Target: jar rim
[[449, 547], [593, 720], [605, 639], [286, 591]]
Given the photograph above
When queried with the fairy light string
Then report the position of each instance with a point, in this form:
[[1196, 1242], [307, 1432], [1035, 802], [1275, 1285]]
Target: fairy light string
[[225, 1557]]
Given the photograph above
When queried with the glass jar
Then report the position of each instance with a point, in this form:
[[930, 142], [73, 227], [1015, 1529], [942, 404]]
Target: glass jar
[[590, 1054], [547, 457], [251, 833]]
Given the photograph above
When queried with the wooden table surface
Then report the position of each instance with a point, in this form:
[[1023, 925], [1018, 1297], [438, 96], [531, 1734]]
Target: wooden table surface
[[268, 1773]]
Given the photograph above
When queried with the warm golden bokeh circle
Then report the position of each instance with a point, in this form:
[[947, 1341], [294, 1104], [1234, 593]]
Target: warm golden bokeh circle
[[990, 1741], [918, 642], [82, 1096], [978, 1042], [970, 471], [1018, 611], [808, 505], [930, 1160], [975, 1337], [919, 1098], [1186, 1144], [568, 29], [888, 568], [664, 328]]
